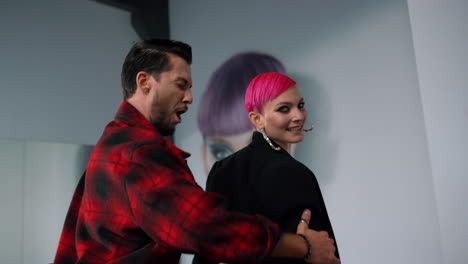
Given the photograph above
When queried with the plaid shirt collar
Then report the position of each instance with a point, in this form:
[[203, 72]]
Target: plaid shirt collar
[[128, 114]]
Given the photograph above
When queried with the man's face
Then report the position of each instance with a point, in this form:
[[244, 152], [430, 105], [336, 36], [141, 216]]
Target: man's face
[[170, 95]]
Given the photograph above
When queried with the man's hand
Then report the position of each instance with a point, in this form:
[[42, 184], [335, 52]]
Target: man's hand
[[322, 246]]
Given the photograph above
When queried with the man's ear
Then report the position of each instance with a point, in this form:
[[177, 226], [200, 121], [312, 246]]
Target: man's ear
[[143, 82], [257, 119]]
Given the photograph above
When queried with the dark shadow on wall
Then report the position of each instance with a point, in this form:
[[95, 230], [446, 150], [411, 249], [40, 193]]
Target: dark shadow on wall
[[149, 18], [82, 158], [319, 148]]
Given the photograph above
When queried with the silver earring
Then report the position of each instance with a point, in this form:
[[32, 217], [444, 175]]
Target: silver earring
[[262, 130], [309, 129]]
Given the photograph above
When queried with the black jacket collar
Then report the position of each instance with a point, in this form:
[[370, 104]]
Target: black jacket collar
[[259, 142]]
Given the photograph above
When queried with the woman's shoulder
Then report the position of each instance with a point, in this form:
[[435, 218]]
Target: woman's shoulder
[[282, 159], [242, 155], [231, 171], [231, 165], [285, 166], [257, 157]]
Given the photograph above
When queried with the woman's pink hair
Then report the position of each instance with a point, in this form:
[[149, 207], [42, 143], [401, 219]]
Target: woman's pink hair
[[265, 87]]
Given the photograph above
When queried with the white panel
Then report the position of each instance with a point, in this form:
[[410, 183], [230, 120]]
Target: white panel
[[11, 201], [441, 41], [51, 173]]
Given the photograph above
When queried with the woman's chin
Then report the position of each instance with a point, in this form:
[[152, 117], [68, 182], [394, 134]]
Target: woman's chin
[[296, 139]]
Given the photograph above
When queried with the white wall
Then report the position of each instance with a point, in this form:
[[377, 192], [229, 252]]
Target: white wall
[[11, 202], [441, 41], [60, 68], [38, 180], [355, 63]]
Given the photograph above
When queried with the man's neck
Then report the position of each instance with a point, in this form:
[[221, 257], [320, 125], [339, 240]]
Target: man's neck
[[140, 106]]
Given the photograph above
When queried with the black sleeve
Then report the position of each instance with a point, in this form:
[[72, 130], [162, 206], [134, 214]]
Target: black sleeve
[[210, 181], [285, 189]]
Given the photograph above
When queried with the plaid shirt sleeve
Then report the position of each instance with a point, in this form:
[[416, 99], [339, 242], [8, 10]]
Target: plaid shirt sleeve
[[66, 252], [172, 209]]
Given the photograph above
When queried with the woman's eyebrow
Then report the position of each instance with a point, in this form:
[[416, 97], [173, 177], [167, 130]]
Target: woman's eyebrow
[[289, 103], [284, 103]]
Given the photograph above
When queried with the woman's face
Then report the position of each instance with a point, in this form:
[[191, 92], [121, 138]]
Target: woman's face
[[217, 148], [284, 117]]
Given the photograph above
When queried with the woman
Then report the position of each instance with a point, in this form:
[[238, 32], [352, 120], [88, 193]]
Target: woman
[[221, 119], [263, 178]]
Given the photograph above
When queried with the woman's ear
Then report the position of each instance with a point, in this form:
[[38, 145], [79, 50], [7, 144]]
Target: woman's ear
[[256, 119]]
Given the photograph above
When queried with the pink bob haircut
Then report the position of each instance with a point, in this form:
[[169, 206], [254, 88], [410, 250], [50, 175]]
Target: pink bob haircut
[[265, 87]]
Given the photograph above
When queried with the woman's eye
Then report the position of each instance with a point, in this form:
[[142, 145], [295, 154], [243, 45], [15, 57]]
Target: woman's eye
[[220, 151], [301, 105], [283, 109]]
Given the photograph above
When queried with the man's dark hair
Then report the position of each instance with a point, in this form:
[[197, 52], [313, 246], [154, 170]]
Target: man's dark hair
[[150, 56]]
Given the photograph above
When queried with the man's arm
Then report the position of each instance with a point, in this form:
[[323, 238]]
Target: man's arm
[[290, 246], [176, 213]]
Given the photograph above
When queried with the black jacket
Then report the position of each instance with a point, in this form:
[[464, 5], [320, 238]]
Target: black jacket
[[260, 180]]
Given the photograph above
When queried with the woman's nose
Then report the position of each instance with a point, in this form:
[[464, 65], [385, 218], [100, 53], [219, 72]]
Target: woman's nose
[[299, 114]]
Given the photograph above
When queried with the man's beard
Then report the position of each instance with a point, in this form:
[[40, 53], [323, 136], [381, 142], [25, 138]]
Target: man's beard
[[163, 129]]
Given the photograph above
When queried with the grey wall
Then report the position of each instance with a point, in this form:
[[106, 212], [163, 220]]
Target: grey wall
[[391, 115], [60, 68], [59, 82], [441, 41], [355, 63]]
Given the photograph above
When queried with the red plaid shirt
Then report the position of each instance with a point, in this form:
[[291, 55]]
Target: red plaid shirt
[[139, 203]]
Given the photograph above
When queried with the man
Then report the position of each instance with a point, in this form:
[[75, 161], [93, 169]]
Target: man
[[138, 201]]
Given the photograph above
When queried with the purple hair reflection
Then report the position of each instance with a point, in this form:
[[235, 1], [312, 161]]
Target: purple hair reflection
[[222, 110]]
